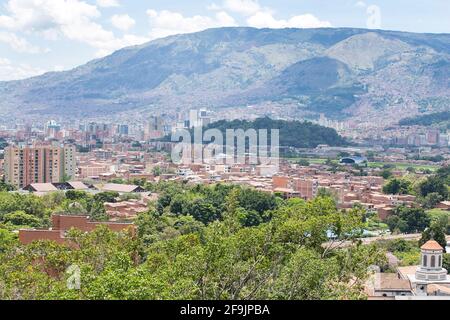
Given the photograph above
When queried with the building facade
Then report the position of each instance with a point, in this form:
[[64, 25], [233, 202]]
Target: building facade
[[40, 164]]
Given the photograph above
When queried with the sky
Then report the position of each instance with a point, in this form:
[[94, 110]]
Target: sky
[[38, 36]]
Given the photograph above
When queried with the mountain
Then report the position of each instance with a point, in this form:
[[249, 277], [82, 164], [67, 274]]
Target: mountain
[[439, 118], [345, 73]]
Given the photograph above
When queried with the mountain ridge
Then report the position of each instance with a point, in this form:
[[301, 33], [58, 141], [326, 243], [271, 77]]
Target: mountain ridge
[[237, 66]]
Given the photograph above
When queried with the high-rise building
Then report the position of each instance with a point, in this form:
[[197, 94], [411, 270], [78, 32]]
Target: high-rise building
[[39, 164], [199, 118], [122, 129], [52, 129], [155, 128]]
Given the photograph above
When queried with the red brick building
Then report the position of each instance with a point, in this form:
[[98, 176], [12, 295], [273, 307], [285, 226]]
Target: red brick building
[[63, 223]]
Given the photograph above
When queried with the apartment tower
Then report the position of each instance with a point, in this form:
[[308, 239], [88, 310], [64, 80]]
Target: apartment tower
[[39, 164]]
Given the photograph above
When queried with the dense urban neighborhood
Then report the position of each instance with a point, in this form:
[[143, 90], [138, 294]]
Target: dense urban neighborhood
[[342, 221], [224, 159]]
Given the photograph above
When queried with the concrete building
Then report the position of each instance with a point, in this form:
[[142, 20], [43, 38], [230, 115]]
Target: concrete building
[[155, 128], [40, 164], [199, 118], [429, 280]]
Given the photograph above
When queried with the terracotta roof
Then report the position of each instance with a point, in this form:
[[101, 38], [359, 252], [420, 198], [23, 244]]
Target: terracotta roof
[[431, 245], [390, 281], [404, 272], [437, 288], [78, 185]]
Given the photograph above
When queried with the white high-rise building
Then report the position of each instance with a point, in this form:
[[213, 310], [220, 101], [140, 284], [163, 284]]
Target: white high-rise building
[[199, 118]]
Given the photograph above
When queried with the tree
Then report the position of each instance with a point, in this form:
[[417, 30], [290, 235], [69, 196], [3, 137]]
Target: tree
[[328, 193], [6, 186], [203, 211], [410, 170], [156, 171], [397, 186], [386, 173], [108, 196], [76, 195], [408, 220], [7, 239], [258, 201], [303, 163], [431, 200], [293, 253], [20, 218], [446, 261], [435, 232], [433, 184]]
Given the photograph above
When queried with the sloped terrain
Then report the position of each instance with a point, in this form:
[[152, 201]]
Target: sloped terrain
[[342, 72]]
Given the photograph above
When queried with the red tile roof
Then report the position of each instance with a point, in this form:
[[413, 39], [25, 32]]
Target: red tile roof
[[431, 245]]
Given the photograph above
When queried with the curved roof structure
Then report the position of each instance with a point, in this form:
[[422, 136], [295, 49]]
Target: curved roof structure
[[431, 245]]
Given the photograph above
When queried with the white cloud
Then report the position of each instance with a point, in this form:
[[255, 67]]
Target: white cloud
[[18, 44], [214, 7], [263, 17], [165, 23], [245, 7], [10, 71], [266, 20], [108, 3], [122, 21], [360, 4], [41, 15], [73, 19]]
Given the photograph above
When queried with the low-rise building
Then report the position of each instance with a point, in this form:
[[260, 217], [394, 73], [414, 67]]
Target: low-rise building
[[61, 224]]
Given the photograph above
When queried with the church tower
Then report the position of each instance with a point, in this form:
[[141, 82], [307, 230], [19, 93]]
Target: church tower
[[430, 269]]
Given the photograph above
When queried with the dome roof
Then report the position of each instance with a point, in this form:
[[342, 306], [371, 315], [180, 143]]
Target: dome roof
[[431, 245]]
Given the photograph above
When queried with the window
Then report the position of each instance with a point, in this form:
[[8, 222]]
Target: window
[[425, 260], [440, 261], [433, 261]]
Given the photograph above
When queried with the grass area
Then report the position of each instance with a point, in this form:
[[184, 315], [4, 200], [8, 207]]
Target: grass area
[[409, 258], [404, 166], [407, 251], [401, 166], [437, 213], [310, 160]]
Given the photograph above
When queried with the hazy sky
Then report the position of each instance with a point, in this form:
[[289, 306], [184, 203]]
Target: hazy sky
[[45, 35]]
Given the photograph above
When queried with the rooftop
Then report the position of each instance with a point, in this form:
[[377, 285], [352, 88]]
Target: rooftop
[[391, 281], [431, 245]]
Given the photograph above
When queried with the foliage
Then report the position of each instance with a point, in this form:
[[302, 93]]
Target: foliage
[[408, 220], [408, 252], [438, 183], [430, 200], [292, 133], [206, 204], [446, 261], [426, 120], [303, 163], [397, 186], [435, 232], [386, 173], [4, 186], [175, 256]]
